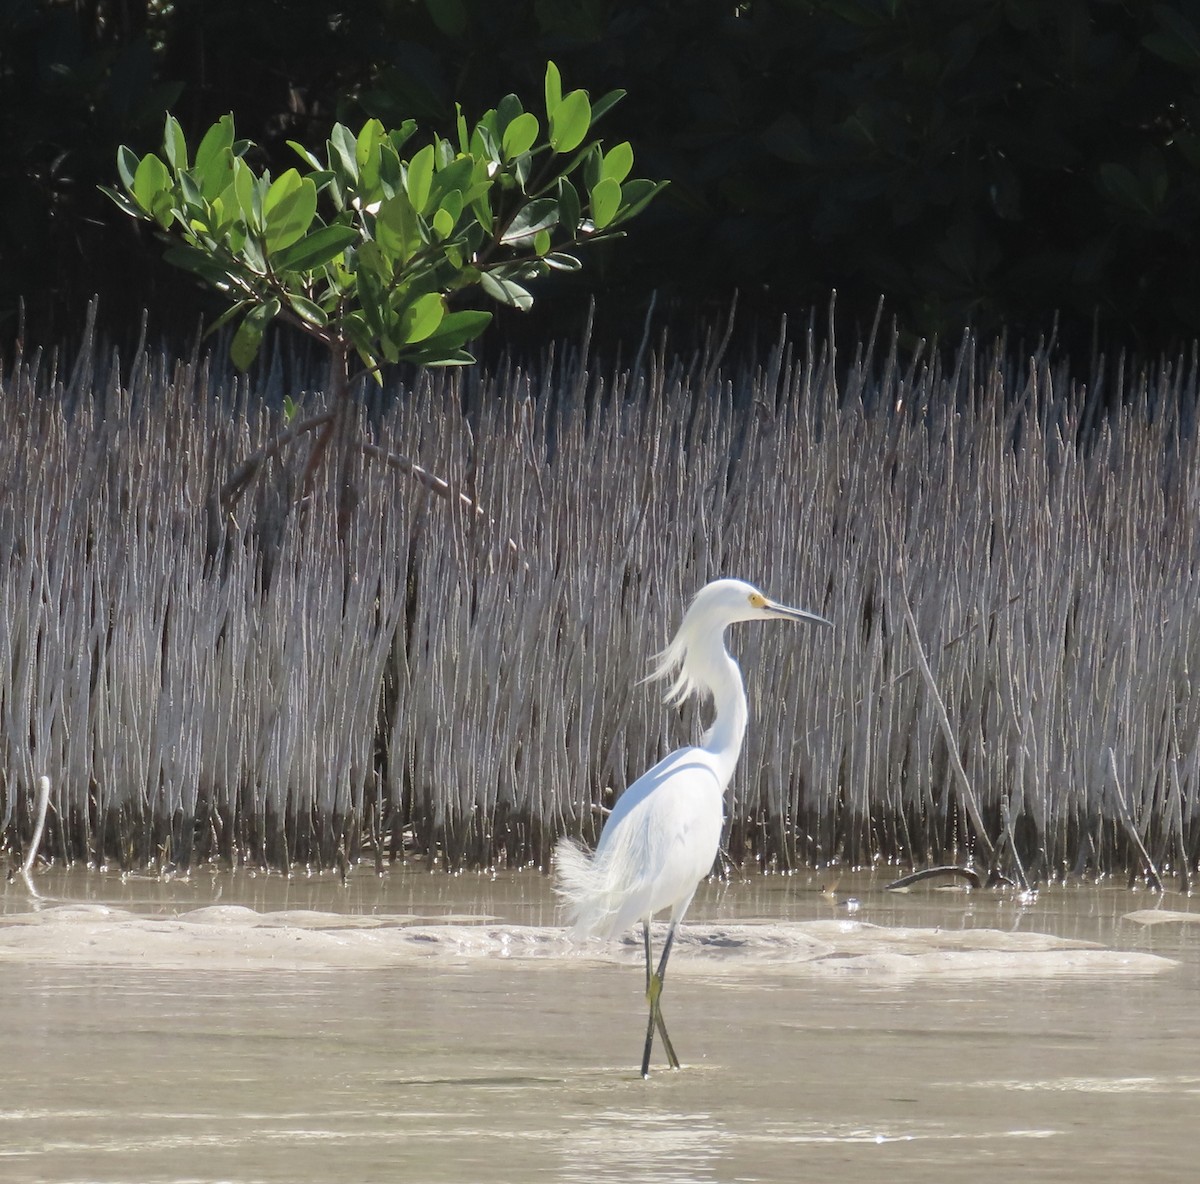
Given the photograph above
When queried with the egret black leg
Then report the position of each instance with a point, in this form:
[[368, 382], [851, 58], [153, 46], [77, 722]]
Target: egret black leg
[[654, 985], [649, 997], [672, 1059]]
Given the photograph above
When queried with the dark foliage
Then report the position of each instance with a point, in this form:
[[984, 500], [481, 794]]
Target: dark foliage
[[991, 162]]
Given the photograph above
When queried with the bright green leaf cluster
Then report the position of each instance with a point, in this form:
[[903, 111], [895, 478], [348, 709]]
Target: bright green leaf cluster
[[367, 248]]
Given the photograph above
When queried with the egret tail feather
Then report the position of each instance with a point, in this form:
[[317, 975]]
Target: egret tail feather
[[577, 883], [585, 884]]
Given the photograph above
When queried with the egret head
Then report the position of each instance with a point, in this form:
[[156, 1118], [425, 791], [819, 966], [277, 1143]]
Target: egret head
[[716, 605]]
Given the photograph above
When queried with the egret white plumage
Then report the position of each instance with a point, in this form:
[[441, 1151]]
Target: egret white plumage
[[662, 836]]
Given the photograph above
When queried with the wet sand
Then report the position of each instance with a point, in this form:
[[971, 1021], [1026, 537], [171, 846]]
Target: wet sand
[[432, 1028]]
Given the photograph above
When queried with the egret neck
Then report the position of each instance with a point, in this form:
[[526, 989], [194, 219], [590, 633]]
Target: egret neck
[[711, 666]]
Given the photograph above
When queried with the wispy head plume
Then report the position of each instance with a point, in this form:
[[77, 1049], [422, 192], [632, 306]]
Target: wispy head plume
[[671, 663]]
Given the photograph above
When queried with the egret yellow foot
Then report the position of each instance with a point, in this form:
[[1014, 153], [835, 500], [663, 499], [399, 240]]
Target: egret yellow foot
[[653, 993]]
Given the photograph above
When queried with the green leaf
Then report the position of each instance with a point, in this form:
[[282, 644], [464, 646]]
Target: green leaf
[[193, 199], [149, 181], [201, 263], [224, 213], [507, 110], [443, 223], [366, 143], [636, 196], [553, 89], [214, 158], [174, 145], [568, 205], [443, 153], [399, 136], [367, 157], [562, 262], [364, 341], [306, 156], [452, 203], [464, 143], [593, 163], [316, 249], [323, 179], [455, 176], [126, 203], [482, 210], [343, 154], [570, 122], [396, 229], [306, 310], [253, 257], [618, 161], [606, 103], [541, 242], [520, 135], [227, 316], [372, 258], [373, 302], [484, 146], [152, 189], [428, 357], [606, 200], [457, 328], [420, 178], [243, 349], [538, 215], [421, 318], [127, 165], [520, 171], [288, 210], [243, 191], [391, 175], [506, 291]]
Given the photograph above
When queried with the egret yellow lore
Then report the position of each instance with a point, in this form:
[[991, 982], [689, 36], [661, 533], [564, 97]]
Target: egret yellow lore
[[662, 836]]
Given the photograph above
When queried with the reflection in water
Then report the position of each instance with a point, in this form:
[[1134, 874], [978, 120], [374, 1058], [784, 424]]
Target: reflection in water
[[841, 1133], [646, 1145], [1174, 1084]]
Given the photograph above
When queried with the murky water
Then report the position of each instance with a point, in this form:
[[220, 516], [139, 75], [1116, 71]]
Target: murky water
[[507, 1069]]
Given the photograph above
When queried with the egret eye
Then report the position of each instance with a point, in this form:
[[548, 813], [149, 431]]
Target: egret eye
[[757, 600]]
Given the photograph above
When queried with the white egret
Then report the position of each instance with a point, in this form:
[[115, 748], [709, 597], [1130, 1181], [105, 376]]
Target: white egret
[[662, 836]]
